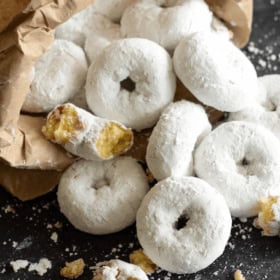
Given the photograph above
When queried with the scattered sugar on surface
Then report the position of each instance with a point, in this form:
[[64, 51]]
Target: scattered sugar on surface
[[54, 237]]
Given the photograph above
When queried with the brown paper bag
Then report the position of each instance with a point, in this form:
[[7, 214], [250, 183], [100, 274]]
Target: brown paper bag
[[28, 32], [238, 16]]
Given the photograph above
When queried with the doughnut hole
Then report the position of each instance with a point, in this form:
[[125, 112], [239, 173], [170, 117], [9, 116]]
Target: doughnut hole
[[113, 140], [181, 222], [101, 183], [62, 124], [128, 84], [246, 167]]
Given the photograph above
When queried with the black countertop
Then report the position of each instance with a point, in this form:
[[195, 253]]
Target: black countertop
[[26, 228]]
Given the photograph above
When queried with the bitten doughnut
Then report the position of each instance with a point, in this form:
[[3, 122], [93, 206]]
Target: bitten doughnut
[[269, 216], [166, 22], [100, 36], [119, 270], [183, 224], [59, 74], [75, 28], [170, 149], [102, 197], [131, 81], [113, 9], [86, 135], [265, 110], [216, 72], [242, 161]]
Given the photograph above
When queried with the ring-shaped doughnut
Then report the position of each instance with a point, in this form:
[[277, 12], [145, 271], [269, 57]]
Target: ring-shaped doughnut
[[131, 81], [102, 197], [242, 161], [216, 72], [183, 224], [165, 22], [180, 128], [59, 74], [266, 110]]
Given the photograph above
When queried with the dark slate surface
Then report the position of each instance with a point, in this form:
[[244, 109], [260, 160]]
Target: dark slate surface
[[26, 233]]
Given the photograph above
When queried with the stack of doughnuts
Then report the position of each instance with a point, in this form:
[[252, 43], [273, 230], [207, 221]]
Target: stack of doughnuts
[[123, 59]]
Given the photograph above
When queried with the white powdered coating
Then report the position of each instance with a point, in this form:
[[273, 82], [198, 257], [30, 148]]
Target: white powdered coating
[[148, 65], [120, 270], [272, 228], [194, 246], [102, 33], [79, 99], [102, 197], [216, 71], [59, 74], [266, 110], [242, 161], [75, 28], [170, 149], [166, 22], [113, 9], [83, 142]]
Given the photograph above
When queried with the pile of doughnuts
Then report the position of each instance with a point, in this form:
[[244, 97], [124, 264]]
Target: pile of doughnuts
[[122, 58]]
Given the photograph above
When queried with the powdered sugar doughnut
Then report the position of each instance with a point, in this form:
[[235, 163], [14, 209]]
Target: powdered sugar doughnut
[[113, 9], [102, 197], [75, 28], [266, 109], [86, 135], [101, 35], [216, 71], [166, 22], [183, 224], [119, 270], [170, 150], [147, 66], [59, 74], [242, 161]]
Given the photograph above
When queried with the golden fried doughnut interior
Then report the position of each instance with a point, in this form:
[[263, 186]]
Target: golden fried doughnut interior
[[113, 140], [267, 213], [238, 275], [62, 124], [139, 258], [73, 269]]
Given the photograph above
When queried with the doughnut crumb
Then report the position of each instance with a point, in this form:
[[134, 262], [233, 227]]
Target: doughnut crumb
[[62, 124], [139, 258], [114, 140], [238, 275], [73, 270], [269, 216]]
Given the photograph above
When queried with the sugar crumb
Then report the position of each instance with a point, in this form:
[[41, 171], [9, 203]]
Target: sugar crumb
[[54, 237], [19, 264], [41, 267]]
